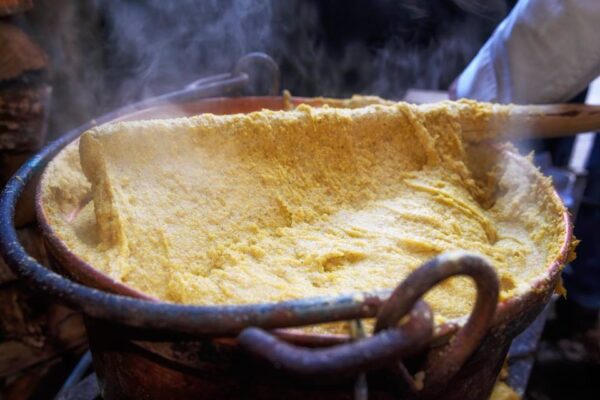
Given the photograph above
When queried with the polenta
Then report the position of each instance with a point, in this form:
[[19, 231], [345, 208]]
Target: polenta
[[280, 205]]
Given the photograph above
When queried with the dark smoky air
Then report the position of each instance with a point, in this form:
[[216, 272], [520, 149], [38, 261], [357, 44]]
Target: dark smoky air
[[111, 53]]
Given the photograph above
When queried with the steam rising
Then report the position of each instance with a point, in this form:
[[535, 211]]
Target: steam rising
[[170, 44], [338, 49], [108, 54]]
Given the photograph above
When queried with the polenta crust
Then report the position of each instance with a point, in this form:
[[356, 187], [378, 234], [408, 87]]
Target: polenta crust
[[280, 205]]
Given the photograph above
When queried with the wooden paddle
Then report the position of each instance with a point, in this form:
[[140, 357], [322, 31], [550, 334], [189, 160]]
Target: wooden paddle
[[513, 122], [527, 121], [548, 121]]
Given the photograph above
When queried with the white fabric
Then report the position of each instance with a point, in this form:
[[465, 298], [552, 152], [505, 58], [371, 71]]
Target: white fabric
[[545, 51]]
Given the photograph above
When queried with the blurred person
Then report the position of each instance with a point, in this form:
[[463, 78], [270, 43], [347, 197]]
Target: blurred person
[[547, 51]]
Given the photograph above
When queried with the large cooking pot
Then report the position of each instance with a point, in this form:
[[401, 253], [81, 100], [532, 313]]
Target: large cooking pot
[[145, 348]]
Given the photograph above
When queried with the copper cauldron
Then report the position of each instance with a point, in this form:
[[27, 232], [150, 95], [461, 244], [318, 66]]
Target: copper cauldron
[[147, 349]]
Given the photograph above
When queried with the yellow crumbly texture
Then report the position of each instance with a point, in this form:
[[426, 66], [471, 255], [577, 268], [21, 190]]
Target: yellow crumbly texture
[[280, 205], [502, 391]]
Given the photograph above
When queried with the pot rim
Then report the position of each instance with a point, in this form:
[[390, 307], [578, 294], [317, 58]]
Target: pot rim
[[139, 310]]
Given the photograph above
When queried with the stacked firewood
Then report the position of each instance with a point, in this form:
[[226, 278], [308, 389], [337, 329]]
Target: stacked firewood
[[35, 332], [24, 95]]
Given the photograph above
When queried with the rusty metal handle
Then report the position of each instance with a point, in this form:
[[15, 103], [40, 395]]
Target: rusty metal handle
[[250, 60], [227, 83], [391, 341], [240, 75], [442, 365], [346, 359]]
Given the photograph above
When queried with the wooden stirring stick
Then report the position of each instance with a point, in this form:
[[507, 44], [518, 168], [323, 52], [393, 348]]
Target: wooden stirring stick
[[513, 122], [554, 120], [527, 121], [543, 121]]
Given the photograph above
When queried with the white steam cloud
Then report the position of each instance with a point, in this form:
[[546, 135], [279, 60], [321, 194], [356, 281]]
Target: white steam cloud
[[110, 53]]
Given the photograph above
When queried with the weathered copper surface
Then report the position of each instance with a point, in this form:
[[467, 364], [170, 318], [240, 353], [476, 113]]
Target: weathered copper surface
[[391, 343]]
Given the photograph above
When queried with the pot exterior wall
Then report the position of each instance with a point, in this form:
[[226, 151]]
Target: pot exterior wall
[[128, 368]]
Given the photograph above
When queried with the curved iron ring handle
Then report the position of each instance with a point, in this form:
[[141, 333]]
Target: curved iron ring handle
[[442, 366], [258, 58], [348, 359], [392, 342], [227, 83]]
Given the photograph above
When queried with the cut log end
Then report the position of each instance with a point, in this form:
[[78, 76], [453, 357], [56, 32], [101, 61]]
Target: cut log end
[[18, 53], [23, 115], [10, 7]]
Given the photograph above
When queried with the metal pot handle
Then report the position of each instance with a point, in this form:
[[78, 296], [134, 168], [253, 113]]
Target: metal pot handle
[[225, 84], [392, 342], [347, 359], [441, 366]]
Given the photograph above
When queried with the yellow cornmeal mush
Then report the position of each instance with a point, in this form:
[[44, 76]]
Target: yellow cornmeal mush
[[280, 205]]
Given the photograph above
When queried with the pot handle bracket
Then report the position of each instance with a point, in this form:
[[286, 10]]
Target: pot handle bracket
[[404, 328], [245, 73]]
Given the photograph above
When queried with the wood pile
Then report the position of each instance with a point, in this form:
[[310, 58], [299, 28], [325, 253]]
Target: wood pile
[[36, 333], [10, 7], [24, 94]]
